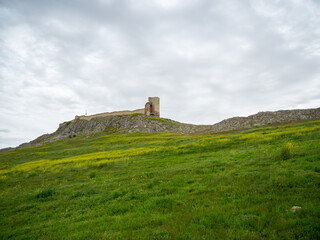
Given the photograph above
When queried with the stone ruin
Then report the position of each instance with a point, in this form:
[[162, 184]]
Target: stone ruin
[[152, 108]]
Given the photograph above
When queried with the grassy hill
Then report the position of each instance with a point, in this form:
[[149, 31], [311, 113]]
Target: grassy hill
[[234, 185]]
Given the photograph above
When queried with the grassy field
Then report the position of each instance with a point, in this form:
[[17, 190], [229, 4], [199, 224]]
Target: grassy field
[[235, 185]]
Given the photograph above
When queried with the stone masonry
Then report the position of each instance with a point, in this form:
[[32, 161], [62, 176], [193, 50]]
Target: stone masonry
[[152, 108]]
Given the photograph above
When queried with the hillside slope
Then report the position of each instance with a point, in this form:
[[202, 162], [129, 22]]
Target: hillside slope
[[264, 118], [142, 123], [259, 183]]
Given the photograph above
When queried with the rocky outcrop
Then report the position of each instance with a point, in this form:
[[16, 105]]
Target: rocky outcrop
[[6, 149], [37, 140], [264, 118], [133, 123], [143, 123], [125, 124]]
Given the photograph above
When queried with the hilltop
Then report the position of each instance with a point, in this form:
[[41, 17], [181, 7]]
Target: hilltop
[[140, 122]]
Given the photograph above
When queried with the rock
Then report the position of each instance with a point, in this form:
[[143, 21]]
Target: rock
[[6, 149], [143, 123], [263, 118], [295, 208]]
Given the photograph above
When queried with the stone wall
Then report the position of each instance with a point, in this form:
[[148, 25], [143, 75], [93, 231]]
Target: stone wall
[[152, 108], [155, 106], [147, 109], [88, 118]]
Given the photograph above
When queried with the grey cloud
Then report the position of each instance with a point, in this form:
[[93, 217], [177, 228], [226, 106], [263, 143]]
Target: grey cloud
[[4, 130], [207, 60]]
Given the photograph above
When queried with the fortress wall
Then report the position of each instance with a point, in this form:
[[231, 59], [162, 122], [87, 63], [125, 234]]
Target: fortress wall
[[141, 111], [155, 106]]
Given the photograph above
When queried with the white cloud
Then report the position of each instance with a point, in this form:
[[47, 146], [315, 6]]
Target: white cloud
[[207, 60]]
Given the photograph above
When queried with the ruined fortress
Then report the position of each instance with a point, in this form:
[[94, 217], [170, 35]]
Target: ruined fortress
[[152, 108], [126, 122]]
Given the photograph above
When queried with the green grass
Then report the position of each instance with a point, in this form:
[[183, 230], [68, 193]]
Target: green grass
[[136, 114], [234, 185]]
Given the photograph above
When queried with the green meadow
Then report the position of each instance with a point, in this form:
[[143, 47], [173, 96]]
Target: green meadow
[[233, 185]]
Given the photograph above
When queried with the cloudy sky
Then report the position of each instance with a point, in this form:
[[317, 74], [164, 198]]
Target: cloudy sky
[[207, 60]]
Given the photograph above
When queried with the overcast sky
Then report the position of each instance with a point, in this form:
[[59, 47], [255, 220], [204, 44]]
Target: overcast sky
[[207, 60]]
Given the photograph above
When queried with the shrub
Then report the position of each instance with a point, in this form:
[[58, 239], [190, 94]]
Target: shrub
[[92, 175], [107, 165], [286, 151], [164, 204], [117, 194], [135, 114], [45, 193], [117, 209]]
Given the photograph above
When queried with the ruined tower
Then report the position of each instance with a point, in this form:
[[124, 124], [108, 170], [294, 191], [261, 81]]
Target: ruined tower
[[152, 107]]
